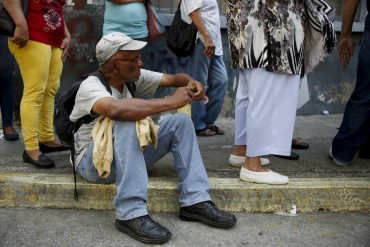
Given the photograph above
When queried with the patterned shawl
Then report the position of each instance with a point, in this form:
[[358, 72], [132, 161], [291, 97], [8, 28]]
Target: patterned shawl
[[320, 37]]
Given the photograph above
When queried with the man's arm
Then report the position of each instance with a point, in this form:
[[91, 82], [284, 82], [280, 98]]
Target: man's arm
[[135, 109], [345, 49], [196, 17], [21, 35], [184, 80]]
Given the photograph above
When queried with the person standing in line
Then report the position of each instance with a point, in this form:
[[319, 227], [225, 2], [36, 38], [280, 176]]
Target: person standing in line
[[126, 16], [6, 90], [354, 131], [205, 64], [40, 45], [266, 45]]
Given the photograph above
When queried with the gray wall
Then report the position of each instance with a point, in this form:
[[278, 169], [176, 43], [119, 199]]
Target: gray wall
[[328, 87]]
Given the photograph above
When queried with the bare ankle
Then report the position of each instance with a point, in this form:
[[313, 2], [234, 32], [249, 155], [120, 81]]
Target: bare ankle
[[254, 164], [239, 150]]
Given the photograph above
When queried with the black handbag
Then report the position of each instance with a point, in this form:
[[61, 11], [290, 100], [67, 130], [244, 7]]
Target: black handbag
[[181, 36], [7, 25]]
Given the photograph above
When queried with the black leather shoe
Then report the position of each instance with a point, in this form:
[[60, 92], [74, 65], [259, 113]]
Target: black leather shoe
[[292, 156], [208, 213], [301, 145], [12, 135], [144, 229], [42, 162], [47, 149]]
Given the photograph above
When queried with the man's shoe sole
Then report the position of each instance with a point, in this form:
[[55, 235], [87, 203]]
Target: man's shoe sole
[[142, 239], [192, 217]]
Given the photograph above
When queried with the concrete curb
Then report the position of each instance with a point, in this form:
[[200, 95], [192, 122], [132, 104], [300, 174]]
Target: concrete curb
[[309, 194]]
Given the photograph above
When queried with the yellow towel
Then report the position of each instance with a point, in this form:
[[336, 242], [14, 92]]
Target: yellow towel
[[101, 134], [103, 146], [147, 132]]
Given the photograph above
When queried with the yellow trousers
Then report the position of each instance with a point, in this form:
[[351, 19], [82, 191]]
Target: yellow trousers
[[41, 67]]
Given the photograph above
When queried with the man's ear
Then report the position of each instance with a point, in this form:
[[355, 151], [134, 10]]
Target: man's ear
[[115, 66]]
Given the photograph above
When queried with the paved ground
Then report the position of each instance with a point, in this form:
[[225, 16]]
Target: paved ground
[[317, 130], [80, 228], [70, 227]]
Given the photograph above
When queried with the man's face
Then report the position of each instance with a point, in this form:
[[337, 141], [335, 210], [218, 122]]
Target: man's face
[[128, 64]]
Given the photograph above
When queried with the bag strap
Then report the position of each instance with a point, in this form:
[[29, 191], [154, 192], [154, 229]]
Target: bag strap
[[131, 86]]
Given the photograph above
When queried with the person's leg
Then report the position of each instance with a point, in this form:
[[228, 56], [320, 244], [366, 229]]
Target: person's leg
[[6, 75], [87, 170], [271, 112], [198, 68], [6, 90], [217, 82], [34, 63], [47, 106], [354, 128], [129, 171], [241, 107], [270, 121], [238, 153], [176, 134]]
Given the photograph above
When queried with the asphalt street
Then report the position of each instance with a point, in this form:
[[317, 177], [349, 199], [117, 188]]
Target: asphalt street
[[59, 228]]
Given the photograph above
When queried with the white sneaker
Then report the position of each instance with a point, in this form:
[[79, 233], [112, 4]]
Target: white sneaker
[[238, 161], [335, 161], [268, 177]]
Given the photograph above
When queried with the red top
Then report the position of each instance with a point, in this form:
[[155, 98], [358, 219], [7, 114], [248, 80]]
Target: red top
[[46, 22]]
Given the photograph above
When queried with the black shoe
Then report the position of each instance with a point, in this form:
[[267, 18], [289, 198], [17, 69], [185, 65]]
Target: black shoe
[[363, 155], [292, 156], [208, 213], [42, 162], [144, 229], [13, 136], [301, 145], [47, 149]]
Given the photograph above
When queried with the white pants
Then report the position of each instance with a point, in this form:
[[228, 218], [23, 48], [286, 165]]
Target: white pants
[[265, 111]]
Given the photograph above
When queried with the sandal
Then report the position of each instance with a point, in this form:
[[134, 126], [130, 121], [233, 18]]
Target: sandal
[[216, 129], [205, 132]]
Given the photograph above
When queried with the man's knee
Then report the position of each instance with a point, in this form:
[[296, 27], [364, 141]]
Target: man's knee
[[182, 118]]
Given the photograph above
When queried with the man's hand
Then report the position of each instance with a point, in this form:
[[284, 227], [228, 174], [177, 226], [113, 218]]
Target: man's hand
[[209, 51], [181, 97], [345, 49], [198, 89]]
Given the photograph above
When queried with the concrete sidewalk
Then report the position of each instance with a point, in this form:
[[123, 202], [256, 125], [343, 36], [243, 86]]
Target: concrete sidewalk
[[315, 183]]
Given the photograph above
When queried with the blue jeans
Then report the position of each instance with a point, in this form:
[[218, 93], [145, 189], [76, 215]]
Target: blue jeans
[[6, 76], [130, 164], [354, 131], [211, 72]]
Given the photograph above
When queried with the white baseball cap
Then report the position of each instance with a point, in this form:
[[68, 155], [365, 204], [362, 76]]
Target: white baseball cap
[[109, 44]]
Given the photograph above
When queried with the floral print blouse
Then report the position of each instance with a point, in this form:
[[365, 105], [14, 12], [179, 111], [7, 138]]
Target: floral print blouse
[[45, 21], [267, 34]]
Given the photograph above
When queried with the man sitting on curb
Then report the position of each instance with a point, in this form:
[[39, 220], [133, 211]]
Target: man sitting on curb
[[119, 60]]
